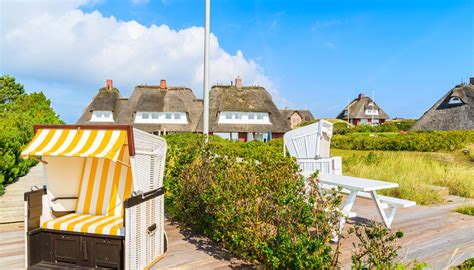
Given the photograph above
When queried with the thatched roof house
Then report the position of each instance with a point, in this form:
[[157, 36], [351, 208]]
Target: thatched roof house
[[363, 110], [454, 111], [236, 112], [244, 111], [106, 104], [296, 117], [154, 109]]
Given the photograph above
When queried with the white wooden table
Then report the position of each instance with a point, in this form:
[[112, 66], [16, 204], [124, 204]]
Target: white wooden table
[[355, 185]]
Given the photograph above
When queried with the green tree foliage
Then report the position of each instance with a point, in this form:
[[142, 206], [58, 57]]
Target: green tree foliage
[[17, 117], [9, 89]]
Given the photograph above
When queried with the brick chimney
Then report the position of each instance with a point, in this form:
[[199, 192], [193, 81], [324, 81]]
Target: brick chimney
[[361, 96], [471, 80], [109, 84], [238, 82], [163, 85]]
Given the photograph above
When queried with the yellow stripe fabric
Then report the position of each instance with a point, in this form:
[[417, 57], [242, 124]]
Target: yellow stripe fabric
[[89, 190], [44, 143], [117, 145], [104, 186], [75, 141], [80, 142], [59, 143], [115, 184], [109, 225], [89, 141], [103, 144]]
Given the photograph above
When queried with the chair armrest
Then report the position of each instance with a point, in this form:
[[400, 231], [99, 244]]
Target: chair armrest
[[34, 208], [58, 214], [63, 198], [141, 198]]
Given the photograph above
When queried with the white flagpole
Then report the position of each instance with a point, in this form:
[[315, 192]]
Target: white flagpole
[[205, 128]]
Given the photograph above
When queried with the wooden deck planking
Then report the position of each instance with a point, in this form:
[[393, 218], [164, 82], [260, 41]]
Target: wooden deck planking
[[431, 233], [185, 251], [11, 203]]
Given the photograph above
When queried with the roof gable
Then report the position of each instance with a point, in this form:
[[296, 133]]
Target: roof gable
[[357, 109], [445, 116]]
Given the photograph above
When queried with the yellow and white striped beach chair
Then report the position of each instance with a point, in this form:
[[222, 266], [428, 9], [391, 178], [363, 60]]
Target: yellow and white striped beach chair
[[102, 203]]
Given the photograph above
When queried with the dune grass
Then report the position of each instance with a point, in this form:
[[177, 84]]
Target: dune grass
[[466, 209], [416, 172]]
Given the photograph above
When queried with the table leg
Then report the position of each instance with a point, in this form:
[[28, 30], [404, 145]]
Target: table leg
[[346, 210], [386, 221]]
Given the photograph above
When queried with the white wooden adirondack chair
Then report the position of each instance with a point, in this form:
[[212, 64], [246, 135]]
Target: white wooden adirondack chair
[[310, 145]]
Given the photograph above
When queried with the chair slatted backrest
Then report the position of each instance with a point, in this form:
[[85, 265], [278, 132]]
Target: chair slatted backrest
[[309, 142], [105, 185]]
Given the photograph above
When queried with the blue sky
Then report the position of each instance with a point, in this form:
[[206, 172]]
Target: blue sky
[[312, 54]]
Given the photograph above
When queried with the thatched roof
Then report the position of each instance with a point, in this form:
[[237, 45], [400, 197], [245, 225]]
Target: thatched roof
[[357, 109], [105, 100], [306, 115], [445, 116], [147, 99], [153, 99], [227, 98]]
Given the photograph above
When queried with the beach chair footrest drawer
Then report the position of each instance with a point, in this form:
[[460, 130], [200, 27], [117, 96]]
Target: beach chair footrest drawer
[[63, 250]]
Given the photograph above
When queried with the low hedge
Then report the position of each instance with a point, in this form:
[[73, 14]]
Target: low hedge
[[423, 141], [342, 128], [251, 200]]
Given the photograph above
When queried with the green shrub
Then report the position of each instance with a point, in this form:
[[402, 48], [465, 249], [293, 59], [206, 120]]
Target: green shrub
[[466, 265], [377, 247], [422, 141], [341, 128], [251, 200]]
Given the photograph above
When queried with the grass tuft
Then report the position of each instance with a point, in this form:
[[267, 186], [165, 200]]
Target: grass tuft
[[466, 209]]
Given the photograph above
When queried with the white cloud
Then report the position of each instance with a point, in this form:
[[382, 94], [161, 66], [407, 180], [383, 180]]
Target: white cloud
[[57, 42]]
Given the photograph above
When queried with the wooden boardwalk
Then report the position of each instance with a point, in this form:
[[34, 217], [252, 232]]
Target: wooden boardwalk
[[11, 203], [433, 234]]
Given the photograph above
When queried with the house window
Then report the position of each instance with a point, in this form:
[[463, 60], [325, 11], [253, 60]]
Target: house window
[[364, 121], [161, 118], [371, 112], [455, 100], [244, 118], [102, 116]]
